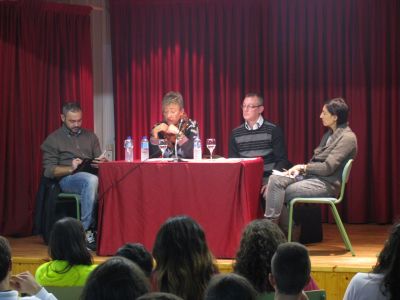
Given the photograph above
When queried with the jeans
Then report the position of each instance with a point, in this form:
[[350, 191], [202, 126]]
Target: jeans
[[282, 189], [84, 184]]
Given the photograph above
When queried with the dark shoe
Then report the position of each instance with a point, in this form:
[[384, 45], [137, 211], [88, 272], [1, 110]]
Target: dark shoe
[[91, 240]]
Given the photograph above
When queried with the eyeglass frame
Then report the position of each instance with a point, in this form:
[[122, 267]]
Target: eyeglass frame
[[243, 107]]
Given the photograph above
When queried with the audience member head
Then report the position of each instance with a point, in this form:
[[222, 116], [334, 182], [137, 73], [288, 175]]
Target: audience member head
[[290, 269], [388, 263], [230, 287], [116, 278], [338, 107], [5, 260], [260, 239], [138, 254], [159, 296], [184, 264], [68, 242]]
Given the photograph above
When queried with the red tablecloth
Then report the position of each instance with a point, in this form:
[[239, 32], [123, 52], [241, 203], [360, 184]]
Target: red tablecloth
[[135, 199]]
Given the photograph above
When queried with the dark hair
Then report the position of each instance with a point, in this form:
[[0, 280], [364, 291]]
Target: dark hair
[[388, 264], [68, 242], [138, 254], [70, 106], [172, 98], [5, 257], [260, 239], [184, 264], [291, 268], [159, 296], [230, 287], [116, 278], [339, 108], [259, 98]]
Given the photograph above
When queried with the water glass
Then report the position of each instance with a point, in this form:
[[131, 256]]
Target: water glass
[[162, 144], [210, 143]]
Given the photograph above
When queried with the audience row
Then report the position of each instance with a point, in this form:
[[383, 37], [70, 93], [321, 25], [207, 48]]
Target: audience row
[[185, 268]]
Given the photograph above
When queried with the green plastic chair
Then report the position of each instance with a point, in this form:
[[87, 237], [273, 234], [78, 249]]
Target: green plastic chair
[[316, 295], [65, 292], [312, 295], [330, 201], [67, 197]]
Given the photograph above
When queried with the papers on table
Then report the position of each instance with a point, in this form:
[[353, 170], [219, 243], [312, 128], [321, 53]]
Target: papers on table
[[214, 160]]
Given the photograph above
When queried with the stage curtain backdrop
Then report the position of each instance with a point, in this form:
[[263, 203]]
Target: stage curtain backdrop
[[45, 59], [297, 54]]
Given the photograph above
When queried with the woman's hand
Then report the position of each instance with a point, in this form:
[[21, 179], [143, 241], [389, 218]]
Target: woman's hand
[[160, 127], [172, 129], [296, 170]]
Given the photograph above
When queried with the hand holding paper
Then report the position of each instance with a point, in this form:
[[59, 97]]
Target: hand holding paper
[[285, 173]]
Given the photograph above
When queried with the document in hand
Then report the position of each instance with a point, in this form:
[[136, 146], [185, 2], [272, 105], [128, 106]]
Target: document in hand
[[279, 173], [87, 165]]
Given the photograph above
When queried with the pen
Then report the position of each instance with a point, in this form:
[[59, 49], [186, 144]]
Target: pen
[[104, 153]]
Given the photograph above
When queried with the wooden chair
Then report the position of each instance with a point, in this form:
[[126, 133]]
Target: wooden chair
[[332, 202]]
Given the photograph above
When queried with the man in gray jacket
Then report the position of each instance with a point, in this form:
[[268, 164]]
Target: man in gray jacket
[[64, 151], [321, 176]]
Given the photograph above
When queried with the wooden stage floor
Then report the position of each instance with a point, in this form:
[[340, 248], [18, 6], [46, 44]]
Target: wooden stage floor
[[332, 266]]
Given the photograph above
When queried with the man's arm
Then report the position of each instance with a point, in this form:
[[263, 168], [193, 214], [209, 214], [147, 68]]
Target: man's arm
[[51, 165], [51, 159], [60, 171], [279, 149], [233, 151]]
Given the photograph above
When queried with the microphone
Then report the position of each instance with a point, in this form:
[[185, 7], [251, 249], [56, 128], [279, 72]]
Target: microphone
[[176, 158], [180, 125]]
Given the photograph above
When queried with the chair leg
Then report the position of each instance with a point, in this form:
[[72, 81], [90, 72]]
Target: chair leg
[[78, 210], [342, 230], [290, 221]]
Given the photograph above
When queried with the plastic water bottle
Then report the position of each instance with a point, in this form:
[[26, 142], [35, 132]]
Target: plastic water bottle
[[144, 149], [197, 148], [128, 145]]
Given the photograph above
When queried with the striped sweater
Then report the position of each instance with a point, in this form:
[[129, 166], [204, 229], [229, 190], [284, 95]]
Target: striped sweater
[[267, 142]]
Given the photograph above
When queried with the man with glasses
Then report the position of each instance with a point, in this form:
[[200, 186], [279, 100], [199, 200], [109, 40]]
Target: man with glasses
[[258, 137]]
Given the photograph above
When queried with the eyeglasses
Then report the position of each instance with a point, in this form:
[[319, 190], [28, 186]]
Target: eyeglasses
[[249, 106]]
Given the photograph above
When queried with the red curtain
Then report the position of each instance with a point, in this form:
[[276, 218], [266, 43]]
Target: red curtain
[[45, 59], [297, 54]]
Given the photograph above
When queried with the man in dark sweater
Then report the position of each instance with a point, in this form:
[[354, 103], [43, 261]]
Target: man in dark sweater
[[258, 137], [64, 151]]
